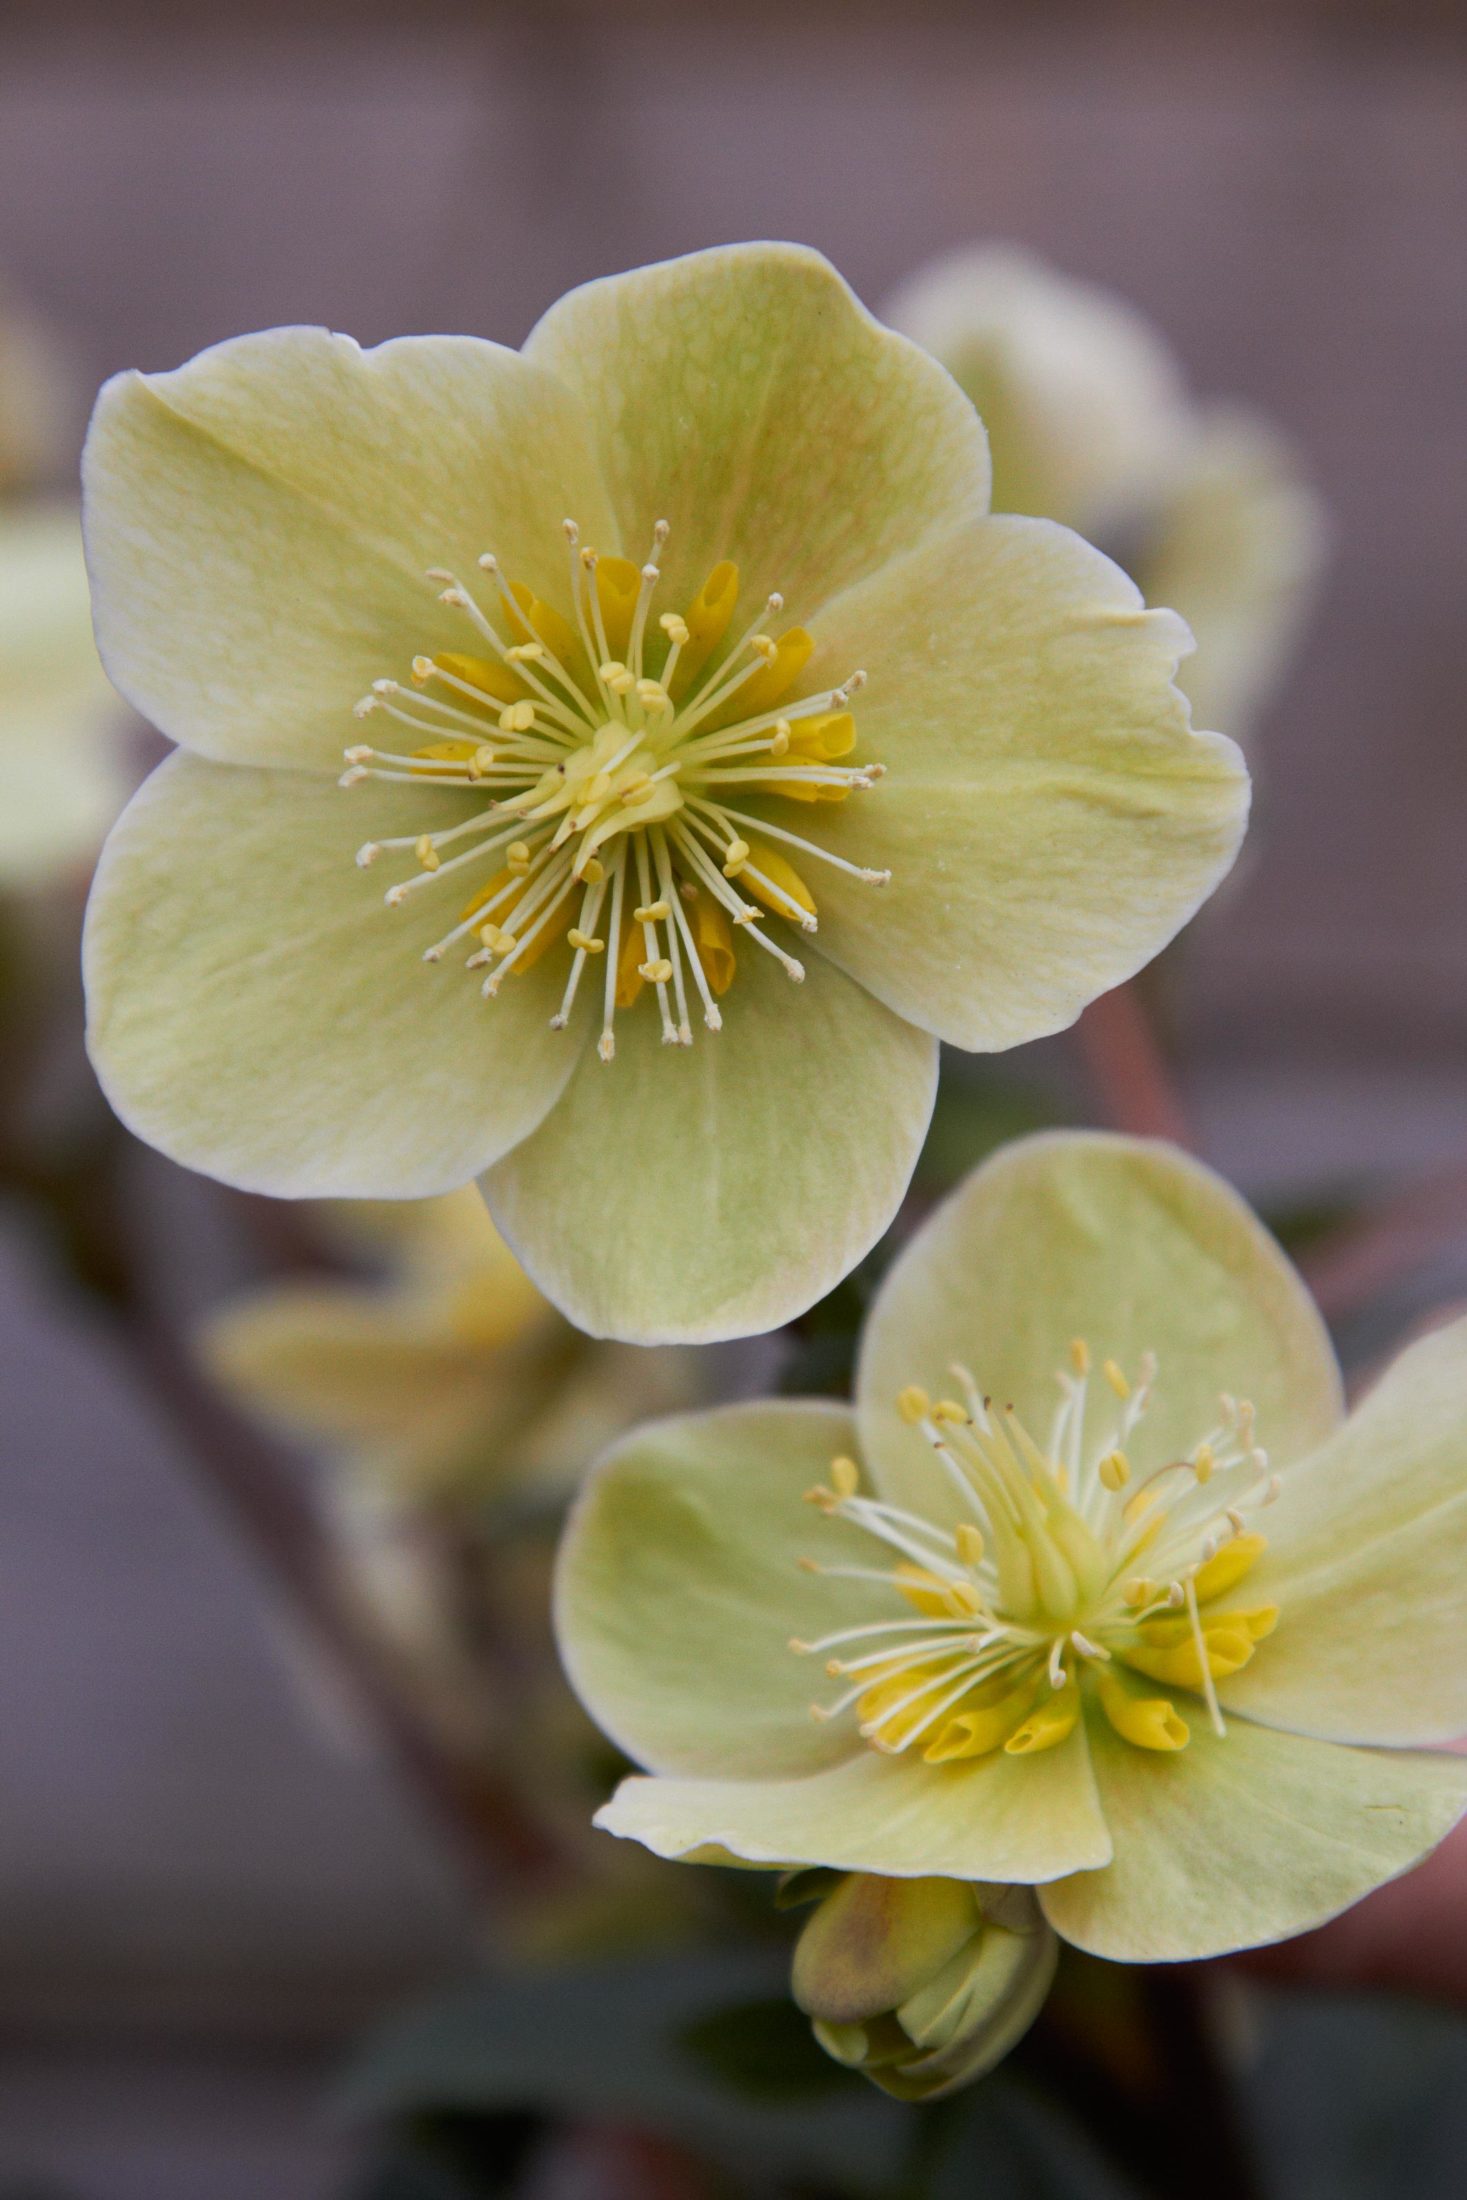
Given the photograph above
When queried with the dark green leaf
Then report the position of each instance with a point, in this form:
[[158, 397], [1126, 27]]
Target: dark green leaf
[[667, 2044]]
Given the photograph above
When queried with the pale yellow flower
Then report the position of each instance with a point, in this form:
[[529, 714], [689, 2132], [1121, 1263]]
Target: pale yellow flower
[[734, 747], [1090, 422], [1098, 1590]]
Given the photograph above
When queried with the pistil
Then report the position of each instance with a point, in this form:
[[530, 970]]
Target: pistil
[[1033, 1604]]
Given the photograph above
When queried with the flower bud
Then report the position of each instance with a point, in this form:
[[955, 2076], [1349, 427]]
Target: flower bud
[[921, 1984]]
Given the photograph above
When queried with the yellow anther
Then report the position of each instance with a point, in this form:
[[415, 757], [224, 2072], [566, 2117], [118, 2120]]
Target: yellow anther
[[1202, 1463], [948, 1409], [1079, 1355], [653, 913], [426, 853], [674, 628], [1049, 1724], [826, 737], [1138, 1591], [1149, 1722], [913, 1404], [618, 678], [526, 653], [969, 1541], [937, 1596], [762, 646], [845, 1476], [655, 973], [713, 938], [593, 871], [517, 718], [987, 1720], [541, 623], [585, 941], [1115, 1470], [785, 883], [517, 855], [497, 939], [652, 695], [735, 856], [784, 661], [1116, 1378], [423, 669], [492, 679], [618, 585], [1231, 1563], [779, 740], [480, 761]]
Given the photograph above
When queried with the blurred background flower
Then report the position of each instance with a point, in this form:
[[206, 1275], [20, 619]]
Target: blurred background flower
[[61, 765], [1090, 421]]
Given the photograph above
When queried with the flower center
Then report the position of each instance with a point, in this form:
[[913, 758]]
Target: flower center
[[1070, 1577], [616, 750]]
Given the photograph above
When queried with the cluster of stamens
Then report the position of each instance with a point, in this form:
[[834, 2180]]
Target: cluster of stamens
[[1068, 1575], [614, 750]]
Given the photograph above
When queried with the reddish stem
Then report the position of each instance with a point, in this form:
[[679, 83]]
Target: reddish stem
[[1132, 1077]]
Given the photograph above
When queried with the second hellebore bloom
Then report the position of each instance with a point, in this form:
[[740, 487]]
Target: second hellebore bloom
[[726, 711], [1089, 421], [1087, 1636]]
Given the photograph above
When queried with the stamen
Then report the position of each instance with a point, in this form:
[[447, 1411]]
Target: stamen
[[574, 731]]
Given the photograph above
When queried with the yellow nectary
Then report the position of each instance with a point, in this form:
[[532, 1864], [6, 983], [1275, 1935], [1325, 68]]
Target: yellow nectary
[[1071, 1580], [615, 750]]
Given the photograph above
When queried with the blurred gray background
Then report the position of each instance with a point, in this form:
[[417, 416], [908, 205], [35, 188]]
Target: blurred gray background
[[200, 1892]]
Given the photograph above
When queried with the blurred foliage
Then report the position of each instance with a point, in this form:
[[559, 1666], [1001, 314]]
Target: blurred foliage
[[1352, 2097], [668, 2045]]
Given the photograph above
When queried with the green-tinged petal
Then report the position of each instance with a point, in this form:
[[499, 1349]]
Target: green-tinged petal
[[1365, 1561], [61, 781], [682, 1194], [1124, 1242], [1235, 1841], [260, 523], [257, 1013], [1082, 399], [746, 397], [1235, 546], [345, 1364], [1048, 817], [998, 1817], [679, 1590]]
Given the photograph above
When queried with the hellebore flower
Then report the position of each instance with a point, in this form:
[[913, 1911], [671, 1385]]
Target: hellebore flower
[[61, 779], [709, 557], [1089, 422], [1084, 1633], [450, 1379], [60, 775], [920, 1984]]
